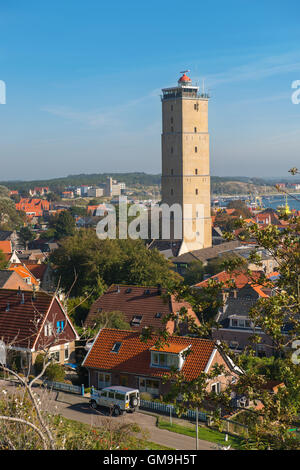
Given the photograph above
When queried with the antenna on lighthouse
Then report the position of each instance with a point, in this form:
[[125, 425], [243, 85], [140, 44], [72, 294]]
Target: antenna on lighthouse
[[185, 71]]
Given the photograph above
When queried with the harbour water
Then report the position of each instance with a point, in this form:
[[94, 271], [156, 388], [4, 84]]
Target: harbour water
[[275, 201]]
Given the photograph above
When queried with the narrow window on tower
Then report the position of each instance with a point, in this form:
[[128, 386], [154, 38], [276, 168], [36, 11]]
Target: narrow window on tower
[[196, 171], [196, 149], [195, 130], [172, 171], [195, 106], [171, 192], [196, 191], [171, 120], [172, 129]]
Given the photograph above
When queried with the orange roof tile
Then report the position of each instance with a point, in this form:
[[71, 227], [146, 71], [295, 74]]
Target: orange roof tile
[[5, 246], [24, 272], [134, 355], [169, 348], [240, 279]]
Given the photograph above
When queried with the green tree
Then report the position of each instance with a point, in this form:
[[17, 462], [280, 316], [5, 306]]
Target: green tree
[[26, 235], [241, 208], [194, 273], [10, 218], [85, 259], [65, 225]]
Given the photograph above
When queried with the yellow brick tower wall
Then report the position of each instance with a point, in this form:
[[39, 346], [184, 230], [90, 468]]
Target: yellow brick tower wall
[[185, 163]]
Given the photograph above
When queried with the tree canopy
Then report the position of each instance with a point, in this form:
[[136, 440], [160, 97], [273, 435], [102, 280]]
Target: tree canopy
[[85, 259]]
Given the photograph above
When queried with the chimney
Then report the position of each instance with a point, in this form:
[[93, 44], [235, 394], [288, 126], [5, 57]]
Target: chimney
[[159, 289], [118, 289], [7, 307]]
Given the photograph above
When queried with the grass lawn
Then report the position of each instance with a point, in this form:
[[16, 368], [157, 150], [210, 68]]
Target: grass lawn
[[76, 427], [206, 434]]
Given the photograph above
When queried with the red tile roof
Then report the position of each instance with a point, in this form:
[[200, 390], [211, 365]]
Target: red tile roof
[[33, 206], [138, 301], [240, 279], [134, 355], [5, 246], [18, 324], [21, 321], [24, 272], [38, 270], [169, 348]]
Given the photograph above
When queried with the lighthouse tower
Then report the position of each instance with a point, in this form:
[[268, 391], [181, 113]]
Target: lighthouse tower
[[185, 161]]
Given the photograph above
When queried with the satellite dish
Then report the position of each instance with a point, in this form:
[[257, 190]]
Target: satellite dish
[[2, 353]]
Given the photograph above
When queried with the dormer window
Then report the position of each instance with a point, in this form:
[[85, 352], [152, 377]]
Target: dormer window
[[116, 347], [158, 315], [128, 290], [136, 320], [164, 360]]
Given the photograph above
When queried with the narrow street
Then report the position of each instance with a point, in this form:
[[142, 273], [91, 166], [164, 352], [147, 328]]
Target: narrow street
[[77, 408]]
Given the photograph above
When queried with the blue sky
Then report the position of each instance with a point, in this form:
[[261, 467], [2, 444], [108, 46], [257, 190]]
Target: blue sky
[[83, 83]]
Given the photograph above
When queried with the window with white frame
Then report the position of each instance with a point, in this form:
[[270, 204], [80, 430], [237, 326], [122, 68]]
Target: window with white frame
[[67, 353], [216, 388], [159, 359], [48, 329]]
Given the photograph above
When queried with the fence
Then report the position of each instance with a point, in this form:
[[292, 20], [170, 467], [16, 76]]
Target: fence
[[77, 389], [232, 427], [227, 426], [170, 410]]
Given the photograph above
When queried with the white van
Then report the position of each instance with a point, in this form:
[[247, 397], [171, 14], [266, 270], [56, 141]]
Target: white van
[[117, 398]]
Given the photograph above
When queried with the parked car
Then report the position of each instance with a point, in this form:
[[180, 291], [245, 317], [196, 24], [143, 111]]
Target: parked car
[[117, 398]]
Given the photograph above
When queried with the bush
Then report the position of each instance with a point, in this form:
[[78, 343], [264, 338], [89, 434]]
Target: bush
[[146, 396], [55, 373], [38, 364]]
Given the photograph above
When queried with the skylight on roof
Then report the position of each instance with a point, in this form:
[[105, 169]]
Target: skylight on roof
[[116, 347], [136, 320]]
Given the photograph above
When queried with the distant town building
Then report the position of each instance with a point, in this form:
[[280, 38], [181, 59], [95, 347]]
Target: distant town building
[[95, 192], [42, 191], [33, 207], [113, 188]]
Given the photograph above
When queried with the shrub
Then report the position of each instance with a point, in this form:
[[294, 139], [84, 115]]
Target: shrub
[[146, 396], [38, 364], [55, 373]]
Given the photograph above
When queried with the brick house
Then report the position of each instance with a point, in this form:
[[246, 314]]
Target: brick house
[[236, 328], [141, 307], [119, 357], [33, 322]]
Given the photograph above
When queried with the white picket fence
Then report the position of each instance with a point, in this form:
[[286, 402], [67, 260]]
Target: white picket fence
[[77, 389], [170, 409]]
